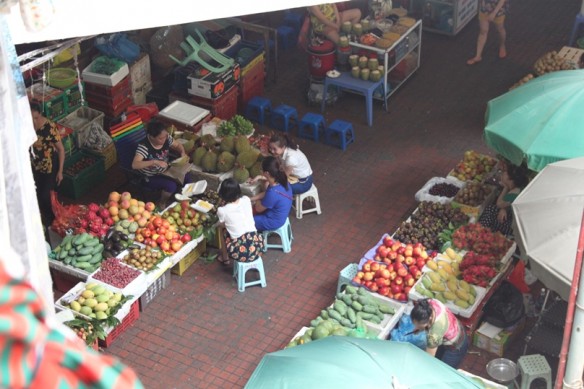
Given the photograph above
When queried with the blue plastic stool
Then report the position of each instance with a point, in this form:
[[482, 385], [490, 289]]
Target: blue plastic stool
[[240, 268], [294, 20], [311, 125], [284, 118], [286, 37], [340, 133], [257, 109], [578, 22], [286, 237]]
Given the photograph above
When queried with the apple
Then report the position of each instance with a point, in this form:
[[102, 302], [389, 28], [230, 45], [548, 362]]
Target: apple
[[377, 258], [374, 266], [141, 203], [360, 274], [116, 218], [157, 221], [125, 204], [420, 263], [396, 246], [185, 204], [380, 282], [161, 239], [392, 255], [400, 258], [368, 276], [114, 196], [109, 221], [384, 291], [398, 280], [400, 297], [367, 266], [126, 196], [368, 284], [387, 261], [382, 251], [401, 250], [356, 280], [176, 246], [165, 246], [147, 233], [168, 235], [123, 214], [153, 244], [388, 241], [402, 271], [409, 260], [408, 252], [424, 254], [385, 273], [374, 287], [409, 280], [185, 238], [150, 206], [394, 288], [392, 275], [133, 209], [407, 290], [142, 222], [139, 238], [147, 241], [114, 211], [417, 251]]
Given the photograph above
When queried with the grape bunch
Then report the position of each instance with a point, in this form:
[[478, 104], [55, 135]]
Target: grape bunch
[[444, 189]]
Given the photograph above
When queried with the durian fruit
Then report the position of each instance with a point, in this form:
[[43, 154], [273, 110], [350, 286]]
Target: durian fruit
[[247, 158], [208, 141], [227, 144], [209, 162], [241, 144], [240, 174], [256, 169], [188, 135], [189, 146], [225, 162], [198, 154]]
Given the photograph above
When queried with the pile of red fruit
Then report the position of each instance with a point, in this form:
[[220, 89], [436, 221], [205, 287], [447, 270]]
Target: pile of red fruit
[[98, 220], [395, 268], [160, 233], [478, 269], [481, 240]]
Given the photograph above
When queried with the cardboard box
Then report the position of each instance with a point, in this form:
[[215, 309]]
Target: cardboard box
[[140, 73], [498, 343], [212, 85]]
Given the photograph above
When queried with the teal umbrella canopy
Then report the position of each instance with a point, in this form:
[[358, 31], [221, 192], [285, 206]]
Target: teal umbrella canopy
[[343, 362], [540, 122]]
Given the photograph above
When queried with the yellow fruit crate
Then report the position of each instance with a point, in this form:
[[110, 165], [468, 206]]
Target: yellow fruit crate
[[190, 258], [109, 154]]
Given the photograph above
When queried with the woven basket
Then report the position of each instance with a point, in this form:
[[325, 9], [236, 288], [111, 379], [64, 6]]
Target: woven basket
[[108, 153]]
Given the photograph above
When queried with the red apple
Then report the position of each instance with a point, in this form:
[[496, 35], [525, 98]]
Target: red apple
[[402, 271], [367, 266], [153, 244], [398, 281], [368, 276], [374, 266], [147, 241], [368, 284], [374, 287], [380, 282], [147, 233], [407, 290], [161, 239], [382, 251], [400, 258], [176, 246], [409, 280], [139, 238], [388, 241], [396, 246], [392, 275], [417, 251], [378, 258], [165, 246], [401, 250], [420, 263], [395, 289], [385, 273], [408, 252], [360, 274], [357, 280], [409, 260], [391, 267], [387, 261], [185, 238], [392, 255], [384, 291]]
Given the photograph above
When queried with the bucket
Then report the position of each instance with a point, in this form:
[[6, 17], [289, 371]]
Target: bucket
[[321, 58]]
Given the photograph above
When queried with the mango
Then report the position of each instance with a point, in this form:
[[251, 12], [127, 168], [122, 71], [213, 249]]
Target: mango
[[98, 290], [463, 294], [92, 315], [461, 303], [434, 276], [450, 253], [100, 315], [88, 294], [471, 299], [432, 265], [86, 311], [90, 303], [81, 300], [112, 302], [452, 286], [472, 291], [437, 287], [100, 307], [448, 295], [440, 297], [443, 274], [464, 285], [75, 306], [426, 281], [102, 298], [91, 285], [118, 296], [446, 266]]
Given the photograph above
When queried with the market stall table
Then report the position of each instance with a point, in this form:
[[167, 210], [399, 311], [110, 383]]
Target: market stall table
[[346, 81]]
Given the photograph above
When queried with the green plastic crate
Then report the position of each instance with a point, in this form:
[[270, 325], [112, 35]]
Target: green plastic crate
[[76, 186], [74, 96]]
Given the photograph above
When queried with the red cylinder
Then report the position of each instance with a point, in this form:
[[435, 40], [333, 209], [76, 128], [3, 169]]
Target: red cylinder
[[321, 58]]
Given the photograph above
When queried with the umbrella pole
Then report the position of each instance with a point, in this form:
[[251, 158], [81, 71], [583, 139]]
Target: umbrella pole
[[573, 373]]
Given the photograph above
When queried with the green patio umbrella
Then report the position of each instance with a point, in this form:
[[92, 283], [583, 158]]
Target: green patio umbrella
[[344, 362], [540, 122]]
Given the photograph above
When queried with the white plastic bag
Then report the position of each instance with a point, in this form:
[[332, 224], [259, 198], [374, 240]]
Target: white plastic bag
[[424, 193]]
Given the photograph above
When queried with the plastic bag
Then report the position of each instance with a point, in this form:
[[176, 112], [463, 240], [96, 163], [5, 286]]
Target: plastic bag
[[505, 307], [403, 333], [118, 46], [424, 193], [95, 137], [68, 217]]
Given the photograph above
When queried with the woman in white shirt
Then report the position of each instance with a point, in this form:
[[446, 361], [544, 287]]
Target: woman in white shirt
[[295, 162], [242, 241]]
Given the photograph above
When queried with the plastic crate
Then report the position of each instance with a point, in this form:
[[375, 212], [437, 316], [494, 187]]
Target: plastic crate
[[81, 120], [74, 97], [109, 155], [246, 63], [252, 84], [190, 258], [125, 323], [69, 140], [224, 107], [51, 100], [154, 289], [76, 186]]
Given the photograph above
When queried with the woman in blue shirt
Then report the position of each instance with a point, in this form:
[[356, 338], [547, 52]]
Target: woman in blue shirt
[[275, 203]]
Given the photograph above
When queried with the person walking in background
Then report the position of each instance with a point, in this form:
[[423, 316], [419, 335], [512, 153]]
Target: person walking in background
[[491, 11], [327, 20], [242, 242], [446, 337], [47, 160], [295, 163], [273, 205]]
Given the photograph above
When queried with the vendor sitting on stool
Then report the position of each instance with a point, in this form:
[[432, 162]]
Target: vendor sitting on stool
[[445, 335], [327, 20], [294, 161], [152, 161], [275, 203]]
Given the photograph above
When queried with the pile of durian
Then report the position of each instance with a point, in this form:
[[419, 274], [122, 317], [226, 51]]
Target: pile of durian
[[233, 152]]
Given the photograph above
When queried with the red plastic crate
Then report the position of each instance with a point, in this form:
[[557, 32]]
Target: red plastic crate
[[103, 90], [110, 110], [252, 84], [225, 107], [128, 321]]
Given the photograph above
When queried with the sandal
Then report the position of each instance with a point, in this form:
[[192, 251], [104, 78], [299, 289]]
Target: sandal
[[225, 261], [473, 61]]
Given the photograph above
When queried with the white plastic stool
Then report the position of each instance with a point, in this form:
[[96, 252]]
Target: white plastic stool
[[285, 233], [533, 367], [240, 268], [312, 192]]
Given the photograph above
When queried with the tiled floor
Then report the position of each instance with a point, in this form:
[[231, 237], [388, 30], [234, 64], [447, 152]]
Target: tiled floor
[[202, 333]]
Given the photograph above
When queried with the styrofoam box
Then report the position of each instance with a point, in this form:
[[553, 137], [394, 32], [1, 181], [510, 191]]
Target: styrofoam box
[[389, 321], [135, 288], [153, 274], [104, 79], [480, 295], [80, 287], [184, 113], [73, 271]]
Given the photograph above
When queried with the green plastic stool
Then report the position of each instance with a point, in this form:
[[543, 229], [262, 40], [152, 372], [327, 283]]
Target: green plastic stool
[[192, 48], [533, 367]]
